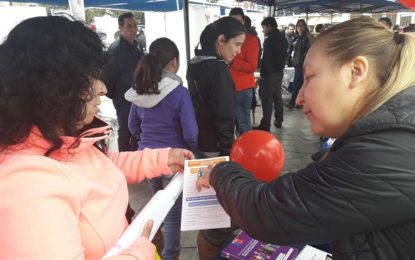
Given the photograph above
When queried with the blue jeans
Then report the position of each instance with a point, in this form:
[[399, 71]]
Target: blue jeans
[[172, 222], [243, 110]]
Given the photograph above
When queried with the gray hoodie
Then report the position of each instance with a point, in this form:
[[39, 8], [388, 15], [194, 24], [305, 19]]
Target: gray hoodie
[[169, 81]]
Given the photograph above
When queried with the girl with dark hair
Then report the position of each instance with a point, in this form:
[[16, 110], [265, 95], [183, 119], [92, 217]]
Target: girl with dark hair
[[58, 182], [162, 115], [213, 94]]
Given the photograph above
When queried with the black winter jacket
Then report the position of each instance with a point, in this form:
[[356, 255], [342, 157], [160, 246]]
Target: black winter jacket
[[118, 73], [274, 53], [300, 47], [213, 95], [361, 198]]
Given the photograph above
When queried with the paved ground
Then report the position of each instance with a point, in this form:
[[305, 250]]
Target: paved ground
[[295, 135]]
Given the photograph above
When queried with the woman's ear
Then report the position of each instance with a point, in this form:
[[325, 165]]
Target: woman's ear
[[176, 63], [359, 69], [173, 65], [221, 39]]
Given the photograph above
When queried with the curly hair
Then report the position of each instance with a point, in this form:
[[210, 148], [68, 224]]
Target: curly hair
[[48, 65]]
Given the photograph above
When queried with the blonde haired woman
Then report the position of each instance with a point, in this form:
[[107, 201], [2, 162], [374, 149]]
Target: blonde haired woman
[[359, 87]]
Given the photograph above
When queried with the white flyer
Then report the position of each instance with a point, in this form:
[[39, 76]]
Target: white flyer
[[201, 209]]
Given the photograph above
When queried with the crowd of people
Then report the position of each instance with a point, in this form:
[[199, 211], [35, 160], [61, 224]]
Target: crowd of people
[[65, 193]]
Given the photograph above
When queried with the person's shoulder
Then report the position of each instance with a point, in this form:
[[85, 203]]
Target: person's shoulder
[[250, 37], [278, 35], [180, 92], [251, 40], [181, 89], [114, 46], [26, 164], [215, 63]]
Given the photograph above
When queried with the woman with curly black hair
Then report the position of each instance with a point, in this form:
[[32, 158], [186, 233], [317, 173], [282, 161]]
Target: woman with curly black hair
[[62, 192]]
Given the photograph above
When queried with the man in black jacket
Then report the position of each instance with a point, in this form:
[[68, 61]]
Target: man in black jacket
[[272, 65], [118, 77], [118, 74]]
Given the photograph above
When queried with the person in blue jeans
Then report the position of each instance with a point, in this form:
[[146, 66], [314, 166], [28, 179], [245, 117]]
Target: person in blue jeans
[[162, 115], [242, 70]]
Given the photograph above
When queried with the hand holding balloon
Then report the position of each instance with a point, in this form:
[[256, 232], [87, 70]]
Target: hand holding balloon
[[260, 153]]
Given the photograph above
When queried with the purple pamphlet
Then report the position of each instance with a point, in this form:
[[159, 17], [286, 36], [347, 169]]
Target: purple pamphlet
[[243, 247]]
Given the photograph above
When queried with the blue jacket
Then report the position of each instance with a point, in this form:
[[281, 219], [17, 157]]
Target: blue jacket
[[163, 120]]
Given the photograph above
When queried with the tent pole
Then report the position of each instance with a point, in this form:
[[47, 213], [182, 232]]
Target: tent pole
[[186, 29]]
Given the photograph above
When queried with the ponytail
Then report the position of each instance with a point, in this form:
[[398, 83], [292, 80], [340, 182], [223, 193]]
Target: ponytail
[[148, 72], [147, 75]]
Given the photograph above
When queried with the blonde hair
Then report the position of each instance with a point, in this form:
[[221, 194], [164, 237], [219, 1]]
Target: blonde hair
[[391, 58]]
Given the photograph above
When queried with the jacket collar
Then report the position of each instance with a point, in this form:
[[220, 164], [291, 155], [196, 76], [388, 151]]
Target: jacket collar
[[205, 55], [397, 112], [126, 44], [37, 144]]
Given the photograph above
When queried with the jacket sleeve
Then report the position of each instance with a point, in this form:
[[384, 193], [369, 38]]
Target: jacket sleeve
[[222, 107], [134, 122], [140, 165], [42, 218], [188, 122], [111, 74], [42, 228], [360, 187], [247, 60]]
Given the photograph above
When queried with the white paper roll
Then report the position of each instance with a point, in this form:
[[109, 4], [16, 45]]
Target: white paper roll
[[156, 209]]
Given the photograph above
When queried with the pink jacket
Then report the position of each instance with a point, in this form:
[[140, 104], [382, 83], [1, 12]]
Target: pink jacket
[[70, 205]]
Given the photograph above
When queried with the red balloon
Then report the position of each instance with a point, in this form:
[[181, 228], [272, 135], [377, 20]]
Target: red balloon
[[260, 153], [410, 4]]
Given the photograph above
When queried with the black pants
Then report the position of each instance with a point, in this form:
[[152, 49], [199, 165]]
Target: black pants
[[124, 135], [297, 84], [270, 92]]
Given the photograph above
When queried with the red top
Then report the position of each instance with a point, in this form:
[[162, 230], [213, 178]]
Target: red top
[[245, 63]]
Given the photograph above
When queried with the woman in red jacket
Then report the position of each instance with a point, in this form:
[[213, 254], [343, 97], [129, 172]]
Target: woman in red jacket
[[242, 69]]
